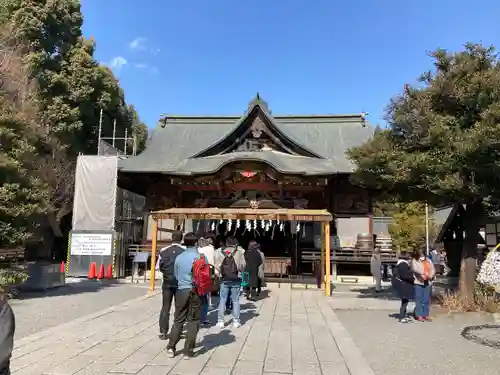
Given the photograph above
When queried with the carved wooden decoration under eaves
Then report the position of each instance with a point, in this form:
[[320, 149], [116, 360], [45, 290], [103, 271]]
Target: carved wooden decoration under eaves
[[257, 127], [351, 203]]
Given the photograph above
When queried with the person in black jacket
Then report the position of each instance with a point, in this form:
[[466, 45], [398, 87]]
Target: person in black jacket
[[169, 286], [7, 329], [253, 260], [402, 281]]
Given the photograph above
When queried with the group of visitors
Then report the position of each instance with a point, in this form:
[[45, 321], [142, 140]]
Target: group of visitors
[[412, 281], [193, 270]]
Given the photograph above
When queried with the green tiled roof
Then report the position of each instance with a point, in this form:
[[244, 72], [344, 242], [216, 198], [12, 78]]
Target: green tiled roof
[[172, 148]]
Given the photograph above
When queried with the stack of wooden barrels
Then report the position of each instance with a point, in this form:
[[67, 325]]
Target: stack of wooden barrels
[[384, 243], [364, 244]]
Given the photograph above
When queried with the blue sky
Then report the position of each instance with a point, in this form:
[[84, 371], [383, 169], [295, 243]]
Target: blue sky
[[304, 57]]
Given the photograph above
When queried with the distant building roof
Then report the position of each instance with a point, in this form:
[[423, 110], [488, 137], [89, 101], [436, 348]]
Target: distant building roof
[[315, 145]]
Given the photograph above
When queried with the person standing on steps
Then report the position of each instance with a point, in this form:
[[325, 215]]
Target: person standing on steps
[[231, 263], [7, 329], [188, 302], [165, 264]]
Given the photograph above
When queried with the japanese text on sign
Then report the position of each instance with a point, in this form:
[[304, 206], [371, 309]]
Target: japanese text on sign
[[98, 244]]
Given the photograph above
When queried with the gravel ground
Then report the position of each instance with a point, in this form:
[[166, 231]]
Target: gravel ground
[[38, 311], [431, 348]]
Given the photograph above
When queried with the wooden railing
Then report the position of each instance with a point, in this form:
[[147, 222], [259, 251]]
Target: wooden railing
[[146, 248], [347, 256]]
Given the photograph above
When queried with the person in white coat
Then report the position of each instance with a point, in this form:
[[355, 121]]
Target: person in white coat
[[206, 248], [375, 265]]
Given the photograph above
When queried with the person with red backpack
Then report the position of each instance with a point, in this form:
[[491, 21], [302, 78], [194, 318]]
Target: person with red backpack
[[206, 248], [194, 279]]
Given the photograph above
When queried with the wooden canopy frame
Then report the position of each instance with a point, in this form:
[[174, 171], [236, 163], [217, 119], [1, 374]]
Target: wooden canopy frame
[[321, 216]]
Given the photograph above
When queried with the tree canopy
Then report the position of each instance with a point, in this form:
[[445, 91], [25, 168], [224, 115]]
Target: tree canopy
[[442, 141], [43, 129], [407, 228]]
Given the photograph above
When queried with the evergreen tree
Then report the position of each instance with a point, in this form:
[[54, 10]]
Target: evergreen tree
[[443, 142], [22, 194], [69, 91]]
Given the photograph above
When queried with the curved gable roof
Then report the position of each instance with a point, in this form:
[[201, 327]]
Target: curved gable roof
[[178, 139]]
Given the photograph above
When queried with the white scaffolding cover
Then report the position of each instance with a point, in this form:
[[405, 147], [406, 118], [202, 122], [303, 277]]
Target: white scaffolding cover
[[95, 193]]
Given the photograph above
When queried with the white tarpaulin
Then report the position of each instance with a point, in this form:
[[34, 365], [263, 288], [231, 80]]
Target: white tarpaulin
[[95, 193]]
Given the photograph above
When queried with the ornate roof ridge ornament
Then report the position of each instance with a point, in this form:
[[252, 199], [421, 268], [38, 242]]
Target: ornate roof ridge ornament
[[258, 101]]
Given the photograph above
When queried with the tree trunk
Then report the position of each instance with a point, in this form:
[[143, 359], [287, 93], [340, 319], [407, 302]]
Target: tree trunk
[[474, 215]]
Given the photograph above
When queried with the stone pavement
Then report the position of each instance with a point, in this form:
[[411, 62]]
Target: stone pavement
[[38, 311], [289, 332], [436, 348]]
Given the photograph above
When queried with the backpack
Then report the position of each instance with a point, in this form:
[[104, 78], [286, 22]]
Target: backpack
[[228, 268], [167, 263], [203, 276]]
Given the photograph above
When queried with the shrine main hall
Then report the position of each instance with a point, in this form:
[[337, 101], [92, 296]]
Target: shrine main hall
[[258, 161]]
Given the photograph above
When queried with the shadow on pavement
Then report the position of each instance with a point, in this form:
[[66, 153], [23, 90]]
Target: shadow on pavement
[[213, 340], [387, 294], [86, 286], [247, 312]]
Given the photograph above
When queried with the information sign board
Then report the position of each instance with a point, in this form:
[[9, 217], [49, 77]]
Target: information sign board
[[93, 244]]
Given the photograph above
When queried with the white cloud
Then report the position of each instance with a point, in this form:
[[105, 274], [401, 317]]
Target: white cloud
[[150, 68], [117, 62], [138, 44], [143, 44]]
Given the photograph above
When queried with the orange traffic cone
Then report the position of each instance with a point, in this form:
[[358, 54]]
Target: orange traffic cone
[[63, 267], [101, 272], [92, 270], [109, 272]]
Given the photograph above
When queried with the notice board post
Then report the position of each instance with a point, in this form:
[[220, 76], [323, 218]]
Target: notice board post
[[87, 247]]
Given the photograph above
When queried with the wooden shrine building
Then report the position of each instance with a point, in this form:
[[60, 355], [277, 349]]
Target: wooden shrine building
[[256, 161]]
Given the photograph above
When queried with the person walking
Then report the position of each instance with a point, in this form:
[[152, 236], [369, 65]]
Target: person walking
[[231, 263], [206, 248], [424, 272], [7, 329], [253, 261], [403, 281], [166, 262], [375, 268], [188, 303]]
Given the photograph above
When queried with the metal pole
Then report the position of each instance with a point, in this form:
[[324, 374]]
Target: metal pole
[[125, 144], [134, 150], [114, 132], [99, 136], [427, 228]]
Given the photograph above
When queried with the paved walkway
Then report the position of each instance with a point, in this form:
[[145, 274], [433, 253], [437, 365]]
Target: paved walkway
[[38, 311], [289, 332]]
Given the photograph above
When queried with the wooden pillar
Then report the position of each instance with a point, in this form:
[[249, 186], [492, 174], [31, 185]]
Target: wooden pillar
[[323, 254], [152, 273], [328, 284]]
